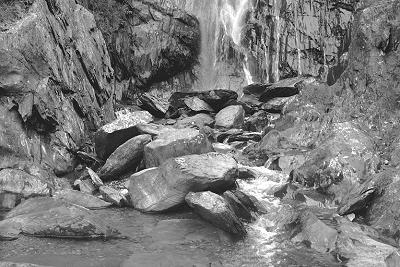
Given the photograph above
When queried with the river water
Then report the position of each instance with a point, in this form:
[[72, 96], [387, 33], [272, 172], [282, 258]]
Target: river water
[[162, 239]]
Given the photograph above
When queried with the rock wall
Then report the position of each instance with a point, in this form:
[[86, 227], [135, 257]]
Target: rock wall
[[148, 43], [56, 82]]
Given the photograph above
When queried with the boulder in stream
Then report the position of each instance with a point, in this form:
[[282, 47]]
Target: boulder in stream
[[230, 117], [215, 210], [175, 143], [165, 187]]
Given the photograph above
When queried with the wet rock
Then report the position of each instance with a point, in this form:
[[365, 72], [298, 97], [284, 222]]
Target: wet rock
[[155, 106], [199, 120], [50, 97], [125, 158], [113, 196], [361, 246], [175, 143], [112, 135], [258, 121], [94, 177], [143, 49], [222, 148], [22, 185], [315, 233], [214, 209], [166, 259], [85, 186], [239, 208], [197, 105], [81, 199], [222, 135], [49, 217], [159, 189], [230, 117]]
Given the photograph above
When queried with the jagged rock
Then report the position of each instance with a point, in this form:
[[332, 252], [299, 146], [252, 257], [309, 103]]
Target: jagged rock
[[199, 120], [338, 164], [214, 209], [125, 158], [145, 50], [56, 77], [49, 217], [162, 188], [175, 143], [230, 117], [360, 245], [197, 105], [316, 233], [85, 186], [22, 185], [155, 106], [81, 199], [95, 178], [113, 196], [217, 99], [238, 207], [112, 135]]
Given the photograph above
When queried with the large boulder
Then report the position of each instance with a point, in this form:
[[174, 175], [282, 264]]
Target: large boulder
[[214, 209], [157, 107], [110, 136], [162, 188], [175, 143], [16, 185], [125, 158], [148, 43], [230, 117], [49, 217], [56, 78]]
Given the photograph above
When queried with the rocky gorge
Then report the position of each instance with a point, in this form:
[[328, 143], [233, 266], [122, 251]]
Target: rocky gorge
[[199, 133]]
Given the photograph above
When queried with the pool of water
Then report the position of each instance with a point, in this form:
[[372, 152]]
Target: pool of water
[[173, 239]]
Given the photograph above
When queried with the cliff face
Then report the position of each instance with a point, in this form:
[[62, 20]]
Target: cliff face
[[148, 43], [55, 82]]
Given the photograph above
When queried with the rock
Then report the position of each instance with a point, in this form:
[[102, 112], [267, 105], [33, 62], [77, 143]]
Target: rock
[[246, 136], [143, 49], [160, 259], [8, 231], [214, 209], [95, 178], [81, 199], [21, 185], [199, 120], [49, 106], [275, 92], [222, 148], [125, 158], [85, 186], [155, 106], [197, 105], [222, 135], [239, 208], [112, 135], [49, 217], [153, 129], [216, 99], [315, 233], [175, 143], [230, 117], [258, 121], [113, 196], [277, 105], [162, 188], [19, 264], [361, 245]]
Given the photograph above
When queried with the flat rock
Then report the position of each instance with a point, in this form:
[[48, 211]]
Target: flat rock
[[214, 209], [50, 217], [230, 117], [198, 120], [125, 158], [197, 105], [159, 189], [175, 143], [112, 135], [81, 199]]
